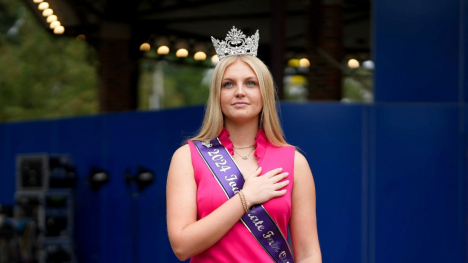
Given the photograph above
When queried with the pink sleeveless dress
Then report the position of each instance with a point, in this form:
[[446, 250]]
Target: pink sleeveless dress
[[239, 245]]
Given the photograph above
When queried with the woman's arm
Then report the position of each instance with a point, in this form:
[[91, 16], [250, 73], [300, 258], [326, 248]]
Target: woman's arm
[[303, 223], [190, 237]]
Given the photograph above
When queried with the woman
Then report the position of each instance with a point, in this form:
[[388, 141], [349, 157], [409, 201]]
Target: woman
[[204, 222]]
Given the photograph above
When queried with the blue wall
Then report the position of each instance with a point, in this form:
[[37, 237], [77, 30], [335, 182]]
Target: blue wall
[[390, 179], [420, 50]]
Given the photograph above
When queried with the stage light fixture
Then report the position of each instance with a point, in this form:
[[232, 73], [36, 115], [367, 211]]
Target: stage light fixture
[[98, 178], [143, 178], [51, 18]]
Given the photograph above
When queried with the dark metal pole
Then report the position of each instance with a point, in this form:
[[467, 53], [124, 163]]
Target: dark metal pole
[[277, 46]]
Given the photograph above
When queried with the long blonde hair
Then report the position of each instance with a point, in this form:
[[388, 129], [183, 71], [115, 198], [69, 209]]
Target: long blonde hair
[[269, 121]]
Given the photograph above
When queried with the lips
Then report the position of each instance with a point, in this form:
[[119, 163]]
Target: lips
[[240, 104]]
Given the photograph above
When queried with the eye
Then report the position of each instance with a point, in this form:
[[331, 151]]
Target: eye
[[228, 84], [251, 83]]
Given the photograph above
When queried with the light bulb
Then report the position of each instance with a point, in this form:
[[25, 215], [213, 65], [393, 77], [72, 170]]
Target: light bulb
[[43, 6], [48, 12], [59, 30], [163, 50], [215, 59], [37, 1], [51, 18], [54, 24], [200, 56], [182, 53], [304, 62], [145, 47], [352, 63]]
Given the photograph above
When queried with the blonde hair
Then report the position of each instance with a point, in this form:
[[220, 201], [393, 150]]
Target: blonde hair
[[269, 121]]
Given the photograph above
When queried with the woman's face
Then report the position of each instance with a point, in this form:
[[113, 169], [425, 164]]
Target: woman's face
[[241, 99]]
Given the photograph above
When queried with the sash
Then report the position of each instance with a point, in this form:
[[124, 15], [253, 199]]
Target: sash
[[257, 220]]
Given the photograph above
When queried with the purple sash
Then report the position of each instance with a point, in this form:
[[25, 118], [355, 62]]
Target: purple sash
[[257, 220]]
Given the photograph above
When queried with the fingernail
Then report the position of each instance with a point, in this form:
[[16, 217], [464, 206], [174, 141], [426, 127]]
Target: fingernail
[[281, 169], [287, 181], [259, 168], [286, 173]]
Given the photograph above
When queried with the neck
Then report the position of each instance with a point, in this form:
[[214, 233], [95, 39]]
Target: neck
[[242, 134]]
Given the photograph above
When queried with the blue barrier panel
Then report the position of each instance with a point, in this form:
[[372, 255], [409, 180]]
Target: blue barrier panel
[[416, 50], [390, 179], [416, 175], [329, 134]]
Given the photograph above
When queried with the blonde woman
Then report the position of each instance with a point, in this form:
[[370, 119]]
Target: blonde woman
[[233, 189]]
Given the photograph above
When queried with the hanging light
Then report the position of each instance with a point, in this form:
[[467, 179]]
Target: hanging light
[[81, 37], [294, 63], [353, 63], [47, 12], [304, 62], [54, 24], [163, 50], [145, 47], [51, 18], [59, 30], [215, 59], [182, 53], [37, 1], [43, 6], [200, 55]]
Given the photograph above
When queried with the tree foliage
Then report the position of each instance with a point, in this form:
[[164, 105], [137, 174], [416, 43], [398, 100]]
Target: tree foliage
[[42, 75]]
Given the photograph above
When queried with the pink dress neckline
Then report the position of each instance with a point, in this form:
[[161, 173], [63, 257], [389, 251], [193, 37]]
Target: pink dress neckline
[[260, 142]]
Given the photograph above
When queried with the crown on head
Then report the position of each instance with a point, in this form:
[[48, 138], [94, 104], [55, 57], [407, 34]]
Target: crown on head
[[236, 44]]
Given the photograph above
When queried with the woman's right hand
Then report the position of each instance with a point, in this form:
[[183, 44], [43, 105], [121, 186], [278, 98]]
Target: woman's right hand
[[259, 189]]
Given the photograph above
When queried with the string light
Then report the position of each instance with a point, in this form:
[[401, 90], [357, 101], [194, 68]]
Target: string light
[[182, 53], [304, 62], [51, 18], [54, 24], [145, 47], [43, 6], [200, 56], [37, 1], [215, 59], [59, 30], [48, 12], [163, 50]]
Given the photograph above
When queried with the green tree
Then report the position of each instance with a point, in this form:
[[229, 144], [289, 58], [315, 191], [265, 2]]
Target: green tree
[[42, 75]]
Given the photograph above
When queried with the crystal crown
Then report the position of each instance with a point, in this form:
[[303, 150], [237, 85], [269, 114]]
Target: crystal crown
[[236, 44]]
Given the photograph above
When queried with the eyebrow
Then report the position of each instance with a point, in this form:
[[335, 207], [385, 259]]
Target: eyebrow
[[249, 78]]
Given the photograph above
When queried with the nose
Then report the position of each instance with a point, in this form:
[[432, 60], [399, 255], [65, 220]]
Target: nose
[[240, 92]]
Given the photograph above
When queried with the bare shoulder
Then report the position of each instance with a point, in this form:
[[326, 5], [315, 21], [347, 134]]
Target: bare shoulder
[[181, 163], [182, 153], [300, 161], [301, 167]]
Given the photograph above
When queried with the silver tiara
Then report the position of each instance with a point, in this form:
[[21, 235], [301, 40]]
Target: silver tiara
[[236, 44]]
